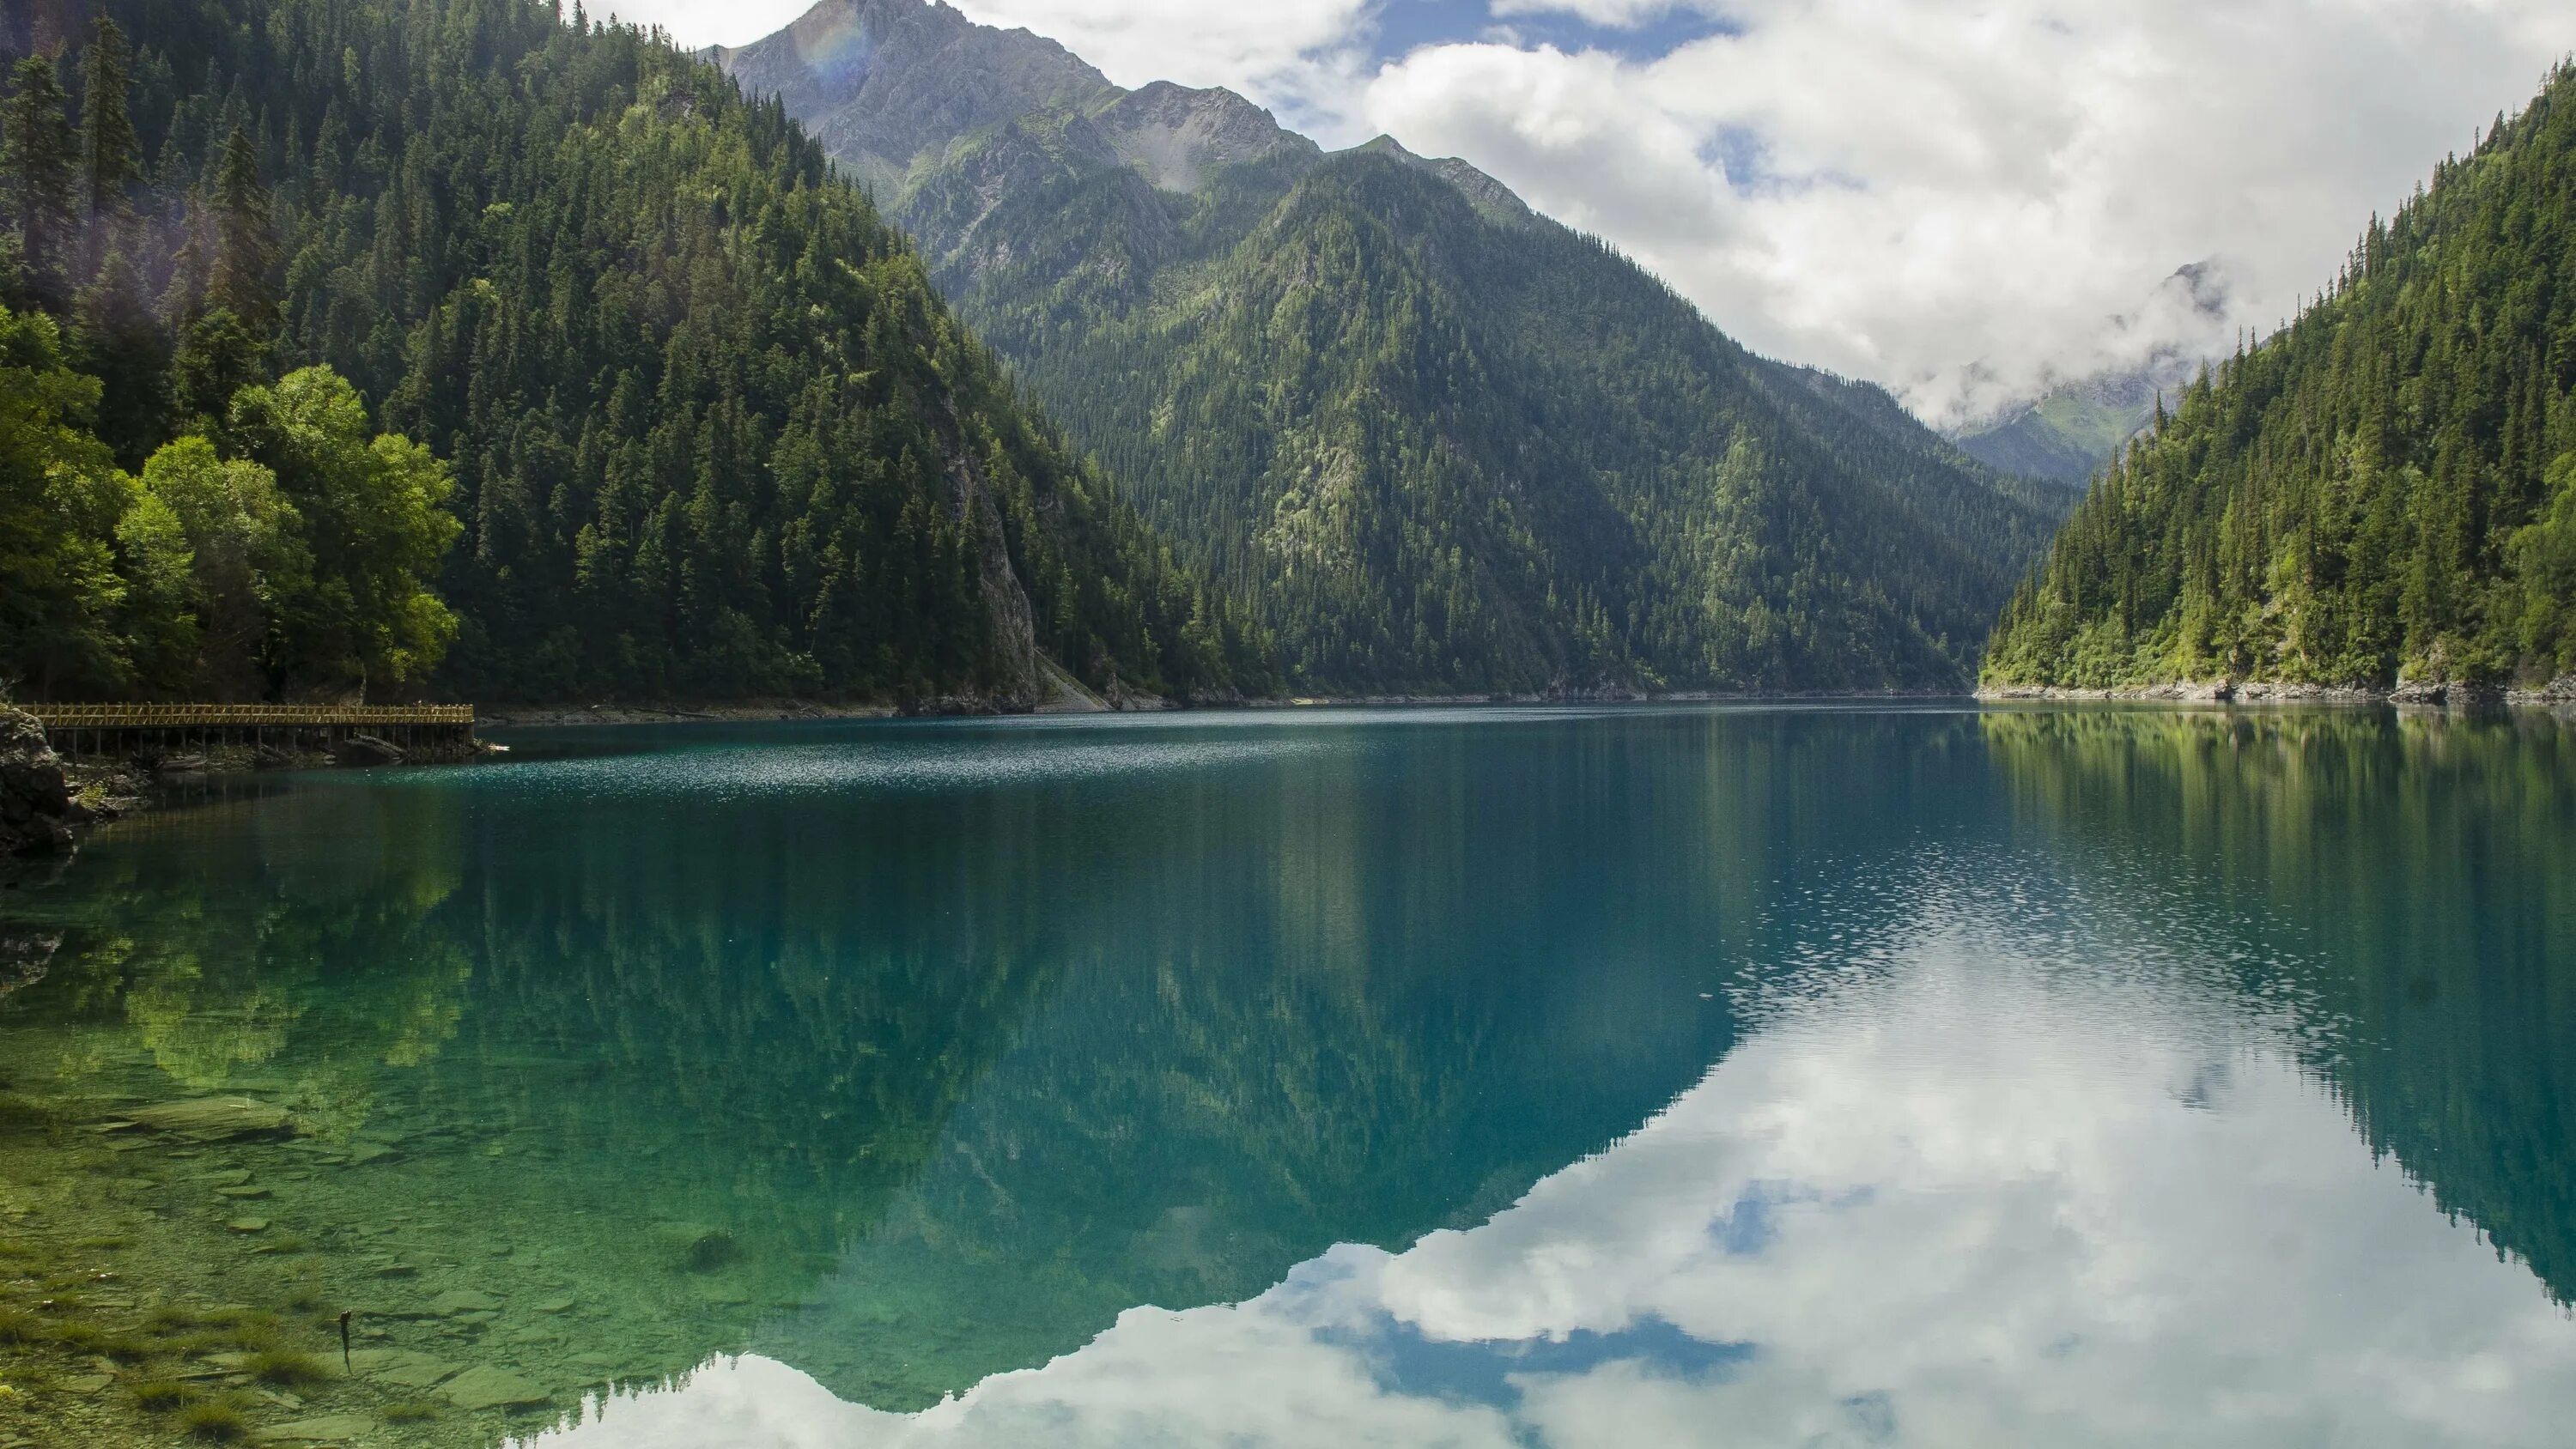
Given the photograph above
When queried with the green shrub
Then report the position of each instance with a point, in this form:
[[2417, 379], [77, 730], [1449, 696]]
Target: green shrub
[[219, 1421], [162, 1395], [286, 1366]]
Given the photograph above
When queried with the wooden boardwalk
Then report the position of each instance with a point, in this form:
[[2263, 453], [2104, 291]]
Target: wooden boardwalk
[[96, 729]]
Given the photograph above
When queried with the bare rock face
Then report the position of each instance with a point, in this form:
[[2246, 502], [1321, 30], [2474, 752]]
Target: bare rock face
[[36, 811], [880, 82], [1177, 135], [1021, 683]]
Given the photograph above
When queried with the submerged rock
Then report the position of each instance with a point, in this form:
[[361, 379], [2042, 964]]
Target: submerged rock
[[25, 956], [330, 1428], [493, 1388], [216, 1117], [401, 1367], [697, 1248], [463, 1300]]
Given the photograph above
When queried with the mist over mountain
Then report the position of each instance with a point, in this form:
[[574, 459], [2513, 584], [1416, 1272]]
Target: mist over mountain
[[2070, 430]]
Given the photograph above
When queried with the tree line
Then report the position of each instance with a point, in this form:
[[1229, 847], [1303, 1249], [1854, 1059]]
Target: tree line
[[666, 409]]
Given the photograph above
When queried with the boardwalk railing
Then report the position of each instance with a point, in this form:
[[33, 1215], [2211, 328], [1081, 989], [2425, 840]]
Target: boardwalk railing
[[104, 729], [320, 716]]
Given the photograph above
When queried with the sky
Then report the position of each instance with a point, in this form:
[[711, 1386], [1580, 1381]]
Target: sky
[[1964, 200]]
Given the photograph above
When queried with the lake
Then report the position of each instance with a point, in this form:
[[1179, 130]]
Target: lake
[[1648, 1075]]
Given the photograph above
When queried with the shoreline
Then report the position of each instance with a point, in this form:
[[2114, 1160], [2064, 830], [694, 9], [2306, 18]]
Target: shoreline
[[524, 716], [100, 790], [2557, 694]]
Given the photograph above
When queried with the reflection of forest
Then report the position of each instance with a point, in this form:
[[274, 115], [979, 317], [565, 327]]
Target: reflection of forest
[[2421, 874], [1381, 997], [910, 1088]]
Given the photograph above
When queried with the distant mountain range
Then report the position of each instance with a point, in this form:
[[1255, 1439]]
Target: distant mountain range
[[1442, 442]]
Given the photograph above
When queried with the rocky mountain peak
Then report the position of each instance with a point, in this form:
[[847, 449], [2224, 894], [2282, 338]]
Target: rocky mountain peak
[[1176, 135], [1492, 198], [880, 82]]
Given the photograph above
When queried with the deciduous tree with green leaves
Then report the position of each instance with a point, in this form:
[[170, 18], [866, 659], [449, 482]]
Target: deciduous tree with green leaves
[[60, 499]]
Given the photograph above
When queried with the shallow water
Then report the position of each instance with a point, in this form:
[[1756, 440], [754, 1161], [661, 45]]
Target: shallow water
[[1512, 1077]]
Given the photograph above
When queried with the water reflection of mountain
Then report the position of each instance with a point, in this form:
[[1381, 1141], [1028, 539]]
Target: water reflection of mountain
[[1379, 993], [915, 1056], [2408, 882]]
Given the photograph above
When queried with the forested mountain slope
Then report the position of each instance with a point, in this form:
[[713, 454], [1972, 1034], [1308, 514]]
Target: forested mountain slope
[[710, 431], [1445, 443], [2384, 491]]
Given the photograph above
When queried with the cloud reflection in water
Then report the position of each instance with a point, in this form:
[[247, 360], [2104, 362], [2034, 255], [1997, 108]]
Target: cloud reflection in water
[[1969, 1199]]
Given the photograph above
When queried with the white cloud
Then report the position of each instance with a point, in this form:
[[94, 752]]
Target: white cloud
[[1993, 1201], [694, 23], [1287, 53], [1959, 198], [1954, 197]]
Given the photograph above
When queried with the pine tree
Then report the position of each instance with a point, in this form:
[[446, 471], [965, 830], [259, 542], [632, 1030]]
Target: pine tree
[[2383, 491], [707, 426], [110, 153], [245, 253], [38, 167], [120, 342]]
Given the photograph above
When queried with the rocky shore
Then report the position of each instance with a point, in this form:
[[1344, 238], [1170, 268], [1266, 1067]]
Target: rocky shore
[[2446, 694], [39, 805], [46, 799]]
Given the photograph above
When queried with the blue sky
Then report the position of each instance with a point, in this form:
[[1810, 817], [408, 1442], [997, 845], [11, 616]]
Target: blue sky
[[1964, 200], [1403, 26]]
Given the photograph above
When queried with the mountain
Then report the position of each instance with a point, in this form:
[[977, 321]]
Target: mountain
[[709, 429], [1444, 442], [2383, 491], [2067, 432]]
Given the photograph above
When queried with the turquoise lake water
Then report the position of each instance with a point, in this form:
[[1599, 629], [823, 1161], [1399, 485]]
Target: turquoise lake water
[[1565, 1077]]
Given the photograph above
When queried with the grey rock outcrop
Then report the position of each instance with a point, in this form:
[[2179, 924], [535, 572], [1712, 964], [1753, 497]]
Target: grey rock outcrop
[[881, 82], [36, 809], [1176, 135]]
